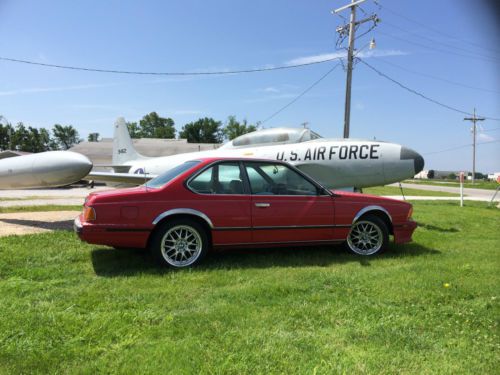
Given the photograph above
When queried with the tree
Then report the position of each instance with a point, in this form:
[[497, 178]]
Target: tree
[[205, 130], [20, 138], [66, 136], [234, 128], [93, 137], [134, 130], [38, 140], [452, 176], [430, 174], [27, 139], [154, 126], [6, 131]]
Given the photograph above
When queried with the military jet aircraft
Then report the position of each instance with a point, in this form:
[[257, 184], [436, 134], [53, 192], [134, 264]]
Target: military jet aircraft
[[335, 163], [41, 170]]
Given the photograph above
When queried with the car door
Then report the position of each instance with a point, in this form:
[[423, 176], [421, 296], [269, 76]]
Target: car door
[[287, 207], [224, 198]]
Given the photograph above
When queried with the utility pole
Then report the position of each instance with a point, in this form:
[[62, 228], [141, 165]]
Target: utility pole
[[350, 54], [474, 119]]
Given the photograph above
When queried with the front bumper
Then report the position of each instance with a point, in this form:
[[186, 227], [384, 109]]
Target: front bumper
[[403, 232]]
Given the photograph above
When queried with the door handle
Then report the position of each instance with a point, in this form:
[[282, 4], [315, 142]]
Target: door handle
[[262, 205]]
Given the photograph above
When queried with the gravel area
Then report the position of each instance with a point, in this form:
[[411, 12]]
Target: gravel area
[[40, 197], [21, 223]]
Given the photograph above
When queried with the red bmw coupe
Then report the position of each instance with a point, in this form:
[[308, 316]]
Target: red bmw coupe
[[216, 203]]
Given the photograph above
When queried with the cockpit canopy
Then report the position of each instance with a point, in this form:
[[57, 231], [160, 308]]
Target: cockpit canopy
[[273, 136]]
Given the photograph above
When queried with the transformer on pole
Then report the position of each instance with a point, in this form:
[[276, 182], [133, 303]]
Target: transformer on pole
[[351, 29], [474, 119]]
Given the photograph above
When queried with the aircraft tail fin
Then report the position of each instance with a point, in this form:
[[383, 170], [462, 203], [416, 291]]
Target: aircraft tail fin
[[123, 148]]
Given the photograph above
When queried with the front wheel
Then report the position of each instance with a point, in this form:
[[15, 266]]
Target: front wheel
[[180, 243], [368, 236]]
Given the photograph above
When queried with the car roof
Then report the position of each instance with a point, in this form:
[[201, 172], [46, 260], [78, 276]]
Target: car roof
[[236, 158]]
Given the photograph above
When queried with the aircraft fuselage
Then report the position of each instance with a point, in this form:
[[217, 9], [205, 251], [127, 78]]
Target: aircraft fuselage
[[334, 163]]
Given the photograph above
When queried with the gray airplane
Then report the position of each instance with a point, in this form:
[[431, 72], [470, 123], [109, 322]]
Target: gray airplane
[[41, 170], [336, 163]]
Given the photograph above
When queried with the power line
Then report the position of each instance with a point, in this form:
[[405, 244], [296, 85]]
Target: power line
[[460, 147], [301, 94], [435, 77], [438, 42], [223, 72], [437, 49], [419, 93], [439, 32]]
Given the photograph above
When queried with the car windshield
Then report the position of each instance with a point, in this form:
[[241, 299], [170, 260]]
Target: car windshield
[[169, 175]]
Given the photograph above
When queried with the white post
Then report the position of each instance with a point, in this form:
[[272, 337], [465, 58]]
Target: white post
[[461, 189]]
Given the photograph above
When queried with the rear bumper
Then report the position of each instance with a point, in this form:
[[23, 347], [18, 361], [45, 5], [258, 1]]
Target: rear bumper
[[77, 225], [111, 235], [403, 232]]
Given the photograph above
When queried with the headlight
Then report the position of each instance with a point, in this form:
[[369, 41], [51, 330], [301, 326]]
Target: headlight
[[88, 214]]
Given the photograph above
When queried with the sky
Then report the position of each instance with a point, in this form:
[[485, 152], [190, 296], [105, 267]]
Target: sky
[[447, 50]]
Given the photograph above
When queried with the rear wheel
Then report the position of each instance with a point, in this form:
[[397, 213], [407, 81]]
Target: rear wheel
[[180, 243], [368, 236]]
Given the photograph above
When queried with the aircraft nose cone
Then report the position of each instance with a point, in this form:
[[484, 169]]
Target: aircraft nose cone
[[79, 163], [409, 154], [79, 158]]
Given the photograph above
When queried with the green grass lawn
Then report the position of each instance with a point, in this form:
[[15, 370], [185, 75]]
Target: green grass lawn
[[489, 185], [67, 307], [44, 208], [4, 199], [392, 190]]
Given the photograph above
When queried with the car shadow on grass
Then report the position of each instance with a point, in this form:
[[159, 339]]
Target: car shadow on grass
[[436, 228], [128, 262], [41, 224]]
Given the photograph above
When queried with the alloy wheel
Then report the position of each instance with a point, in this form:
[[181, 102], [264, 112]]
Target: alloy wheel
[[181, 246], [365, 238]]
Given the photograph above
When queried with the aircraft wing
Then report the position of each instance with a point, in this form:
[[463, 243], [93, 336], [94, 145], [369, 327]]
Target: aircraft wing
[[116, 168], [128, 178]]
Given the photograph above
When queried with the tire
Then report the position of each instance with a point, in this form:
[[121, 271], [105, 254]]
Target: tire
[[368, 236], [179, 243]]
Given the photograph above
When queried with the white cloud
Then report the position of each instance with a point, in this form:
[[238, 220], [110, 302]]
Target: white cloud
[[335, 55], [41, 57], [485, 137], [271, 89], [359, 106]]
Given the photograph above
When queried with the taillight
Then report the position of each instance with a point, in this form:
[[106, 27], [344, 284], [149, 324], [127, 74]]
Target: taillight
[[88, 214], [410, 212]]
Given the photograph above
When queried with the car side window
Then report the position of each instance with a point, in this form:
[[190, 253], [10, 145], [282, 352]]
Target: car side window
[[223, 178], [277, 179]]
